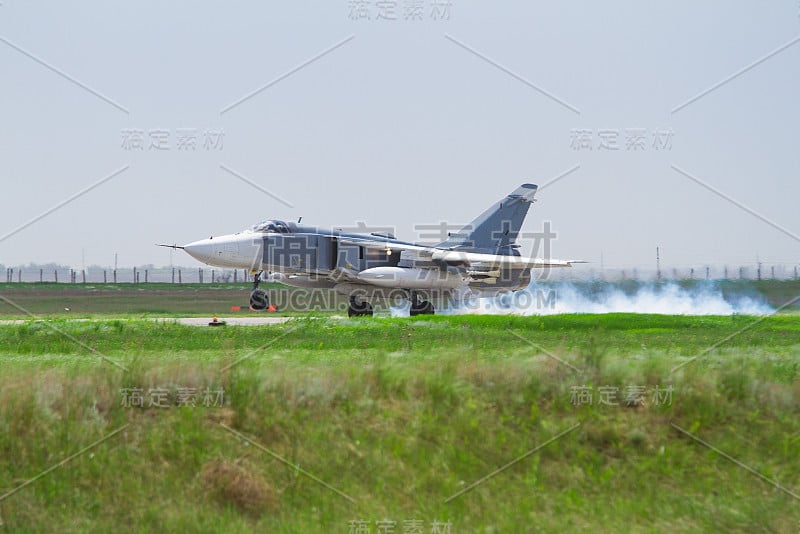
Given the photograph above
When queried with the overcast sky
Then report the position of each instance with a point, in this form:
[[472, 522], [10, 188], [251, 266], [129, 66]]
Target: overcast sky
[[400, 113]]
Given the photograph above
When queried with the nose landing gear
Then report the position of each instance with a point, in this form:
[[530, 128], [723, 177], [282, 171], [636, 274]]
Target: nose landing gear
[[259, 301]]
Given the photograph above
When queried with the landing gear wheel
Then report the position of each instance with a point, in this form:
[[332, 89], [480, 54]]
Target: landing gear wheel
[[422, 308], [359, 309], [259, 301], [419, 307], [427, 308]]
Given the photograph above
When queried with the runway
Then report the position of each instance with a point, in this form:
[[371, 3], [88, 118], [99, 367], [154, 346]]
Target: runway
[[189, 321], [231, 321]]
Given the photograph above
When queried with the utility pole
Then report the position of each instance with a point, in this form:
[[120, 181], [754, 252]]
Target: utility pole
[[658, 264], [758, 261]]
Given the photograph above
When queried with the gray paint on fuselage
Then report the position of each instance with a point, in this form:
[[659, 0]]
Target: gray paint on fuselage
[[308, 249], [301, 249], [318, 252]]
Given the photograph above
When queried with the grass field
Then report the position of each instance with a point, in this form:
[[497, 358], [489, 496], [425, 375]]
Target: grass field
[[169, 300], [154, 300], [321, 424]]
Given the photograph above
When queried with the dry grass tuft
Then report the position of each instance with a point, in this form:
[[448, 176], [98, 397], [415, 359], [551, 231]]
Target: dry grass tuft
[[233, 483]]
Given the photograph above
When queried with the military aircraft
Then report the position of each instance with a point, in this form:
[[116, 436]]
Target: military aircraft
[[481, 259]]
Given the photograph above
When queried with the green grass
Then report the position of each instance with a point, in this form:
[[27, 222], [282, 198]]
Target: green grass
[[677, 335], [170, 300], [146, 300], [401, 414]]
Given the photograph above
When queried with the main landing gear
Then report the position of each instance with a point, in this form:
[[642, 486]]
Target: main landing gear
[[420, 307], [362, 308], [259, 300], [359, 308]]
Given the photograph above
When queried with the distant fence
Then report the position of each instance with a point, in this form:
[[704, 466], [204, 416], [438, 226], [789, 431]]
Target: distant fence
[[188, 275], [749, 272], [132, 275]]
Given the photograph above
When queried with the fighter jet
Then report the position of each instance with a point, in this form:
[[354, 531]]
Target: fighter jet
[[481, 259]]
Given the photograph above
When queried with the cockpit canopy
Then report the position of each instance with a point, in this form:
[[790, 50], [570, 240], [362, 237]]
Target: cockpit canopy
[[271, 226]]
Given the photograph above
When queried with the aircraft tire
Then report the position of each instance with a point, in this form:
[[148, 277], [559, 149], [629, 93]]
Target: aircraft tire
[[424, 308], [259, 301], [362, 309]]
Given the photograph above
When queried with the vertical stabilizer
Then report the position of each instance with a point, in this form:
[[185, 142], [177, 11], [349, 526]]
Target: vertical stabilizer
[[497, 228]]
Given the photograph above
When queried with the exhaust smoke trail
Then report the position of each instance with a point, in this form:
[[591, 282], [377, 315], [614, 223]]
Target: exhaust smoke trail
[[669, 298]]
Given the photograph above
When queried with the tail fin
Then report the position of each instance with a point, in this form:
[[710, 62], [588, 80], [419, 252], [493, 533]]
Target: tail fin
[[496, 229]]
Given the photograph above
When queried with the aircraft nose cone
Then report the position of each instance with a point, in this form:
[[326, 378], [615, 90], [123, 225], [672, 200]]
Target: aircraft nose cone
[[202, 250]]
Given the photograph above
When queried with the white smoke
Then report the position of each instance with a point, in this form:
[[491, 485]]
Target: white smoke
[[565, 297]]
